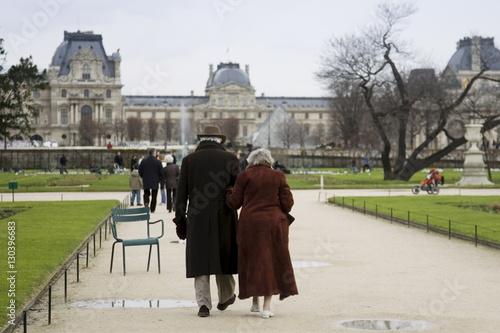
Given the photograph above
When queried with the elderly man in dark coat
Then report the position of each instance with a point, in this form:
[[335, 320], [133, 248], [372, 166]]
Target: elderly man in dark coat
[[207, 223], [151, 171]]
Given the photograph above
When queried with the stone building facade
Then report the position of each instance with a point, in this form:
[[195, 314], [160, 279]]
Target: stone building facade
[[85, 84]]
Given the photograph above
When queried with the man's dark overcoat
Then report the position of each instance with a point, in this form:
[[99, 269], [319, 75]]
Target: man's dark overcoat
[[211, 225], [151, 171]]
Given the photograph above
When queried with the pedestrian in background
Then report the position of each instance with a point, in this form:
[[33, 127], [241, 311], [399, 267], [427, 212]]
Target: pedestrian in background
[[171, 172], [135, 182], [63, 161], [151, 172], [133, 162], [118, 161]]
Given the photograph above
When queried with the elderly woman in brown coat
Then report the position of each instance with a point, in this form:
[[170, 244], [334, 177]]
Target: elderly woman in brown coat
[[264, 264]]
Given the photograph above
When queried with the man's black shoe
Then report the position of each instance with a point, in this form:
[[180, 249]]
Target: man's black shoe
[[204, 311], [223, 306]]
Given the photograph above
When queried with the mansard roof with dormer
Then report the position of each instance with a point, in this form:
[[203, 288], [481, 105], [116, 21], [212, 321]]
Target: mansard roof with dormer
[[74, 43]]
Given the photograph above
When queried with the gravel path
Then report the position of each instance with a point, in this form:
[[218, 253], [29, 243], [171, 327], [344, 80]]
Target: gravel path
[[349, 267]]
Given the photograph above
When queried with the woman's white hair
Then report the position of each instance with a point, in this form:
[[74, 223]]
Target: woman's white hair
[[169, 159], [260, 156]]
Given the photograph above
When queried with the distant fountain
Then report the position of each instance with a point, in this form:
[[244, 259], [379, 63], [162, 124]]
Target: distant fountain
[[474, 168]]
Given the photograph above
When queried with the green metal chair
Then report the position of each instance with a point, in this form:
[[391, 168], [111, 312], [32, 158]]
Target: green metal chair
[[141, 214]]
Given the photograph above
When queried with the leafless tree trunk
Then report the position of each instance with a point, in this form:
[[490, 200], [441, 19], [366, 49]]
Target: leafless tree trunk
[[134, 129], [152, 129], [88, 131], [230, 127]]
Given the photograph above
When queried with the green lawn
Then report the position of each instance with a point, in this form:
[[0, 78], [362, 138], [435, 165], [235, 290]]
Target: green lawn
[[464, 212], [43, 236], [344, 179], [33, 181], [36, 182]]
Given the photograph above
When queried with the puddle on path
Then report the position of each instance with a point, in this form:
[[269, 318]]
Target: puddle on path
[[164, 303], [134, 303], [386, 324]]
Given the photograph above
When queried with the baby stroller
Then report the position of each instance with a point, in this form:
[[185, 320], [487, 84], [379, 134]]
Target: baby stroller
[[430, 183]]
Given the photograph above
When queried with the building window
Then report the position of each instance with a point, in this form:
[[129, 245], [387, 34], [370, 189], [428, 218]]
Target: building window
[[153, 115], [306, 115], [232, 100], [86, 72], [205, 115], [109, 115], [64, 93], [221, 115], [36, 116], [138, 114], [320, 115], [108, 93], [260, 114], [64, 117], [244, 115], [86, 112], [245, 130], [36, 94], [86, 93], [220, 101]]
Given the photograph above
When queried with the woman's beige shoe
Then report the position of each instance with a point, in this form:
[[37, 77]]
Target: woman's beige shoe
[[267, 313], [255, 308]]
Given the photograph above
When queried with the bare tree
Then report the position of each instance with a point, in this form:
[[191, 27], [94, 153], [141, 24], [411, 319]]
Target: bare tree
[[319, 134], [152, 129], [134, 128], [168, 126], [348, 110], [288, 132], [87, 130], [375, 60], [230, 126], [103, 130], [119, 129]]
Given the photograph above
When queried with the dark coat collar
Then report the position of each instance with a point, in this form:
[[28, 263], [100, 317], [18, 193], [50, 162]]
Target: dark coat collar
[[209, 145]]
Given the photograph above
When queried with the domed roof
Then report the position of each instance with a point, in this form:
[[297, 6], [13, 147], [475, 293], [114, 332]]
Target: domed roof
[[463, 59], [228, 73], [59, 54]]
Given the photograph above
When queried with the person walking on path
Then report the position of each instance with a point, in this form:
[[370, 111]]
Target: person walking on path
[[118, 162], [135, 182], [171, 172], [63, 161], [366, 163], [133, 162], [208, 224], [151, 172], [163, 194], [264, 263]]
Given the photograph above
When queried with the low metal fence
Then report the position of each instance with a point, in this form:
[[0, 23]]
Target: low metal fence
[[441, 226]]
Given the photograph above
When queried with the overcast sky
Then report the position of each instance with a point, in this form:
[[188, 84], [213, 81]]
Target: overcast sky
[[167, 45]]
